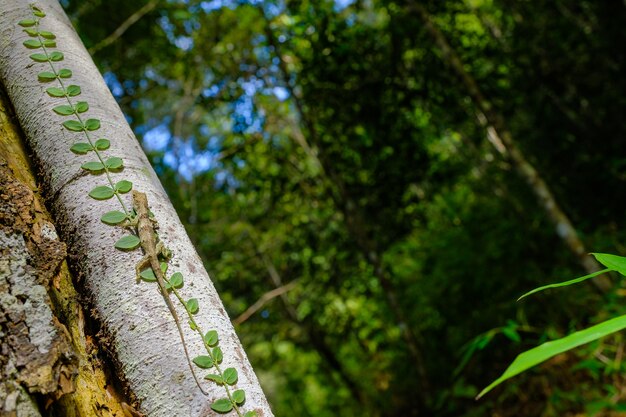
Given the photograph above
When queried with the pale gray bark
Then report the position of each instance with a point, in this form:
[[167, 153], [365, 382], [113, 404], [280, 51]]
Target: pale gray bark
[[138, 326]]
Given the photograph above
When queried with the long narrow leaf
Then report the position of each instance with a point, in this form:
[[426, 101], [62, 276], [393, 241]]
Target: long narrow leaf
[[547, 350], [613, 262], [565, 283]]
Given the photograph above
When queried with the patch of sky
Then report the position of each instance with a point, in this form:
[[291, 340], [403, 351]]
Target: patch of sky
[[114, 84], [184, 42], [342, 4], [157, 138]]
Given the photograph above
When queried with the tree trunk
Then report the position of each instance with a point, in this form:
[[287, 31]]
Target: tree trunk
[[502, 139], [135, 323]]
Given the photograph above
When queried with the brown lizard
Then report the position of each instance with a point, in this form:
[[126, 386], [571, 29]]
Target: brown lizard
[[153, 249]]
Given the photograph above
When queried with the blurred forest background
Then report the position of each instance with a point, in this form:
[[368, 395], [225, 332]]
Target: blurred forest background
[[372, 184]]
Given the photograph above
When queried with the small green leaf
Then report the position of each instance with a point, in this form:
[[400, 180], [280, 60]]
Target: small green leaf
[[128, 242], [81, 148], [102, 192], [543, 352], [204, 361], [193, 325], [123, 186], [92, 166], [56, 56], [92, 124], [31, 32], [192, 305], [32, 43], [27, 23], [48, 43], [176, 280], [39, 57], [73, 90], [73, 125], [65, 73], [46, 76], [215, 378], [223, 405], [217, 354], [211, 338], [148, 275], [102, 144], [239, 396], [251, 414], [47, 35], [63, 110], [113, 217], [565, 283], [55, 92], [82, 106], [614, 262], [230, 376], [114, 163], [37, 11]]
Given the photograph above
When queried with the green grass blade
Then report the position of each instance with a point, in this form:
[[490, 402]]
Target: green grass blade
[[565, 283], [547, 350]]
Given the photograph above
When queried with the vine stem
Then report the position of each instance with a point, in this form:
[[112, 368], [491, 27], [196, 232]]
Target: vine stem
[[198, 330], [80, 120]]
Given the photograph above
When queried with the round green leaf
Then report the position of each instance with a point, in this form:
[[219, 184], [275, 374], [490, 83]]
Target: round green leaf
[[32, 43], [92, 124], [56, 56], [176, 280], [123, 186], [102, 192], [211, 338], [82, 106], [239, 396], [65, 73], [222, 405], [128, 242], [204, 361], [48, 43], [63, 110], [39, 57], [113, 217], [215, 378], [217, 354], [102, 144], [27, 23], [92, 166], [251, 414], [114, 163], [46, 76], [230, 376], [73, 90], [148, 275], [55, 92], [81, 148], [47, 35], [192, 305], [73, 125]]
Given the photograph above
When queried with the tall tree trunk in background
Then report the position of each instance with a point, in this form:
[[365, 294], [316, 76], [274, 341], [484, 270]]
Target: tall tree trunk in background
[[502, 138], [136, 325], [355, 224]]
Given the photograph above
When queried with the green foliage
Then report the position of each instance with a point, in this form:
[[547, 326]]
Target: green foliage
[[373, 158]]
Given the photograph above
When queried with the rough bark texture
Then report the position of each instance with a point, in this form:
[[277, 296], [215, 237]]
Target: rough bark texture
[[32, 273], [137, 326]]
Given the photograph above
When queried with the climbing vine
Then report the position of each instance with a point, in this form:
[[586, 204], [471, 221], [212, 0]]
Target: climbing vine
[[74, 111]]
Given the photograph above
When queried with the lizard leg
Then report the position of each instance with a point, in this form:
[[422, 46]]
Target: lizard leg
[[141, 265]]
